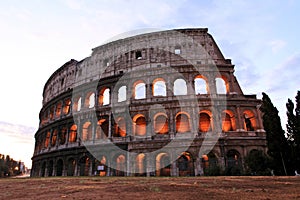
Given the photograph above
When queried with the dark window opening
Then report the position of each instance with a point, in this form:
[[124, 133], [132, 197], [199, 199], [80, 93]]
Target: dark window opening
[[138, 55]]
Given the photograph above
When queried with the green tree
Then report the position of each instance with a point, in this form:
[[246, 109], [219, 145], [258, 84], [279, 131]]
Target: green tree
[[293, 130], [257, 163], [278, 148]]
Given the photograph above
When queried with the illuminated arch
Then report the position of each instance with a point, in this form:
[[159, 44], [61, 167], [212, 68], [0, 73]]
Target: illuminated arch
[[122, 93], [104, 96], [180, 87], [73, 133], [182, 121], [120, 127], [205, 121], [87, 131], [249, 120], [89, 101], [77, 104], [228, 121], [139, 125], [201, 85], [54, 137], [209, 161], [222, 85], [47, 140], [62, 135], [67, 105], [140, 168], [185, 164], [102, 129], [159, 87], [139, 90], [161, 125], [58, 109], [120, 165], [163, 164]]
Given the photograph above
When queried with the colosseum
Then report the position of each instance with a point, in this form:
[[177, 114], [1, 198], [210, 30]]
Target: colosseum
[[162, 103]]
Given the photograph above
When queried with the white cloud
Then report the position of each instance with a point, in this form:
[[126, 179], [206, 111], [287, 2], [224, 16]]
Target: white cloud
[[277, 45]]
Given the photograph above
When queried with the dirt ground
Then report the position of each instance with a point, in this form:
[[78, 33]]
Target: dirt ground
[[151, 188]]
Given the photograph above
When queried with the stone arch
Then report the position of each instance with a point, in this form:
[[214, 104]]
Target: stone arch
[[233, 162], [180, 87], [104, 96], [77, 104], [84, 166], [185, 164], [71, 165], [120, 127], [62, 135], [50, 168], [249, 120], [222, 86], [201, 85], [228, 121], [139, 125], [54, 137], [161, 125], [205, 121], [47, 139], [102, 130], [87, 131], [58, 109], [43, 169], [120, 165], [159, 87], [140, 165], [209, 162], [67, 104], [182, 121], [139, 90], [59, 167], [122, 93], [73, 133], [163, 164], [89, 101]]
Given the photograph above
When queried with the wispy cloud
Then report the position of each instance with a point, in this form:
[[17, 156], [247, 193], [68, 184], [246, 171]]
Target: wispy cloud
[[277, 45]]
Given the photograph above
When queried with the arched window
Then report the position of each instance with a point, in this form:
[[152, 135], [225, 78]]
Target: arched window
[[140, 164], [209, 163], [228, 121], [161, 125], [140, 125], [249, 120], [122, 93], [87, 131], [90, 100], [47, 140], [185, 165], [67, 106], [54, 137], [120, 128], [139, 90], [204, 122], [182, 123], [62, 135], [102, 129], [120, 165], [163, 165], [77, 104], [73, 133], [221, 86], [201, 86], [58, 109], [180, 87], [104, 97], [159, 87]]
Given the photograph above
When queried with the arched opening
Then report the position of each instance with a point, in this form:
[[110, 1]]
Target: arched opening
[[67, 106], [161, 125], [58, 109], [122, 93], [50, 168], [101, 166], [71, 167], [205, 122], [140, 165], [102, 129], [201, 85], [73, 133], [62, 135], [120, 127], [180, 87], [120, 165], [221, 86], [59, 167], [234, 163], [163, 165], [77, 104], [228, 121], [139, 91], [84, 166], [90, 100], [51, 114], [210, 164], [249, 121], [54, 137], [185, 165], [182, 123], [87, 131], [47, 140], [159, 87], [140, 125], [104, 97]]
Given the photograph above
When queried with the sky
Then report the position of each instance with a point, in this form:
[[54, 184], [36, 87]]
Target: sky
[[37, 37]]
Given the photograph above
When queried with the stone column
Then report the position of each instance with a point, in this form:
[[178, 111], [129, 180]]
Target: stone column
[[240, 126]]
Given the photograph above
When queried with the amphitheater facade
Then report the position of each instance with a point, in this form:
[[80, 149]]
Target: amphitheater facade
[[164, 103]]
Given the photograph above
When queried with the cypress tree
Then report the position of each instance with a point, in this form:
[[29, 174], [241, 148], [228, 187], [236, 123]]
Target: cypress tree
[[278, 148]]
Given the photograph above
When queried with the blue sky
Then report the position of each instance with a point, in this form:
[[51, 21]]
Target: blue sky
[[37, 37]]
